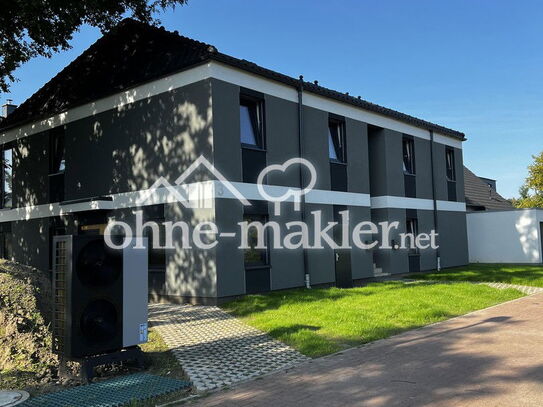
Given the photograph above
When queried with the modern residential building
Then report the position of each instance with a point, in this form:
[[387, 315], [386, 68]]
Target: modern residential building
[[143, 103]]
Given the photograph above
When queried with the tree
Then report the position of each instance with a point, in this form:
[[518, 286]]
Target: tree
[[531, 192], [29, 28]]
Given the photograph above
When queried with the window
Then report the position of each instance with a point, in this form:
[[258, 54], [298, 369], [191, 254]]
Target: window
[[7, 178], [6, 240], [412, 227], [57, 162], [255, 257], [251, 123], [408, 156], [336, 141], [449, 156]]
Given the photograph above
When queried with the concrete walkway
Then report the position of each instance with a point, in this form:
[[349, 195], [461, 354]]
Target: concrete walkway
[[216, 349], [492, 357]]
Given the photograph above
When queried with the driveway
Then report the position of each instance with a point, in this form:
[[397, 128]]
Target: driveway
[[492, 357]]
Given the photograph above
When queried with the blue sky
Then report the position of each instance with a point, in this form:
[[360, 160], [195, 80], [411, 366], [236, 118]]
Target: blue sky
[[474, 66]]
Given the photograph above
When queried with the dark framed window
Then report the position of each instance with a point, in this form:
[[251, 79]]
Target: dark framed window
[[254, 257], [408, 148], [336, 141], [6, 240], [449, 160], [7, 177], [251, 121], [57, 160], [412, 227], [57, 164]]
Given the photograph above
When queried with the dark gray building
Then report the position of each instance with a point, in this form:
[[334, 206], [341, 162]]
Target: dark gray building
[[143, 103]]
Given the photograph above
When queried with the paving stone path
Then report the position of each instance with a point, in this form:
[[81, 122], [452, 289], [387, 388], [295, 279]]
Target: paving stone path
[[216, 349], [522, 288], [528, 290]]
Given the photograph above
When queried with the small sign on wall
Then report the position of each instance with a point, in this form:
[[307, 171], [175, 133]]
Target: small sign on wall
[[143, 333]]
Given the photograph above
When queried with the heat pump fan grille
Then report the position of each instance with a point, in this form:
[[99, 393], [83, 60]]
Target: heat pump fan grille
[[59, 295]]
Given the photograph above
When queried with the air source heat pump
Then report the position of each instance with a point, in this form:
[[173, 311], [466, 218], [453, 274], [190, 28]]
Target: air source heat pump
[[100, 296]]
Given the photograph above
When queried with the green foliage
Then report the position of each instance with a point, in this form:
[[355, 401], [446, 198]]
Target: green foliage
[[32, 28], [531, 193], [322, 321], [25, 338]]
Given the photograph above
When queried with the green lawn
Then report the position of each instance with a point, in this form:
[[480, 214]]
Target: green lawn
[[531, 275], [322, 321]]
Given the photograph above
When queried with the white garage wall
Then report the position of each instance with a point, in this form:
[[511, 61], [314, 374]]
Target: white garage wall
[[505, 237]]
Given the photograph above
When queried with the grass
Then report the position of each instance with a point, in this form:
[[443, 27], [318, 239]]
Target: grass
[[530, 275], [161, 361], [322, 321]]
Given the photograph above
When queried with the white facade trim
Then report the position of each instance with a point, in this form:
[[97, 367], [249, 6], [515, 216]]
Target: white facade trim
[[399, 202], [248, 80], [228, 74], [202, 195], [448, 141], [315, 196], [451, 206], [49, 210], [387, 201]]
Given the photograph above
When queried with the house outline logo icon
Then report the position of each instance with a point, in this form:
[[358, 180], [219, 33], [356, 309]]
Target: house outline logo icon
[[295, 193], [196, 195]]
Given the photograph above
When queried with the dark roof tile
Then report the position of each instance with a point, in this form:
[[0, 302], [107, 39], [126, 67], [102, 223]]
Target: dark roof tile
[[480, 196]]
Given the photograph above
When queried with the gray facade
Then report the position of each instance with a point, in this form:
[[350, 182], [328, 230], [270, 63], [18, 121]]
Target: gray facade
[[127, 149]]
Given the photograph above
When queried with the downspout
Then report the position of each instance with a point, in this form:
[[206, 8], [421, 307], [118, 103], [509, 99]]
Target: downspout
[[300, 89], [438, 257]]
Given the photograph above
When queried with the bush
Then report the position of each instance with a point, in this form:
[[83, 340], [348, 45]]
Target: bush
[[25, 326]]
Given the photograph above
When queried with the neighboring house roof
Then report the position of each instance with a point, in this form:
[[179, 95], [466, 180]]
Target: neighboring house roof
[[133, 53], [479, 195]]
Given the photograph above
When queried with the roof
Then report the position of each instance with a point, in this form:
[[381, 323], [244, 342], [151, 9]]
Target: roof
[[479, 196], [133, 53]]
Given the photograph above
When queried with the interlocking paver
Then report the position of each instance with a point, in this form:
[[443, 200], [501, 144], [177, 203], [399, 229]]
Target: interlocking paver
[[522, 288], [216, 349], [528, 290]]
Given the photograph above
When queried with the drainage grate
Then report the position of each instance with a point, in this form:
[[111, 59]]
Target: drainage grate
[[111, 393]]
